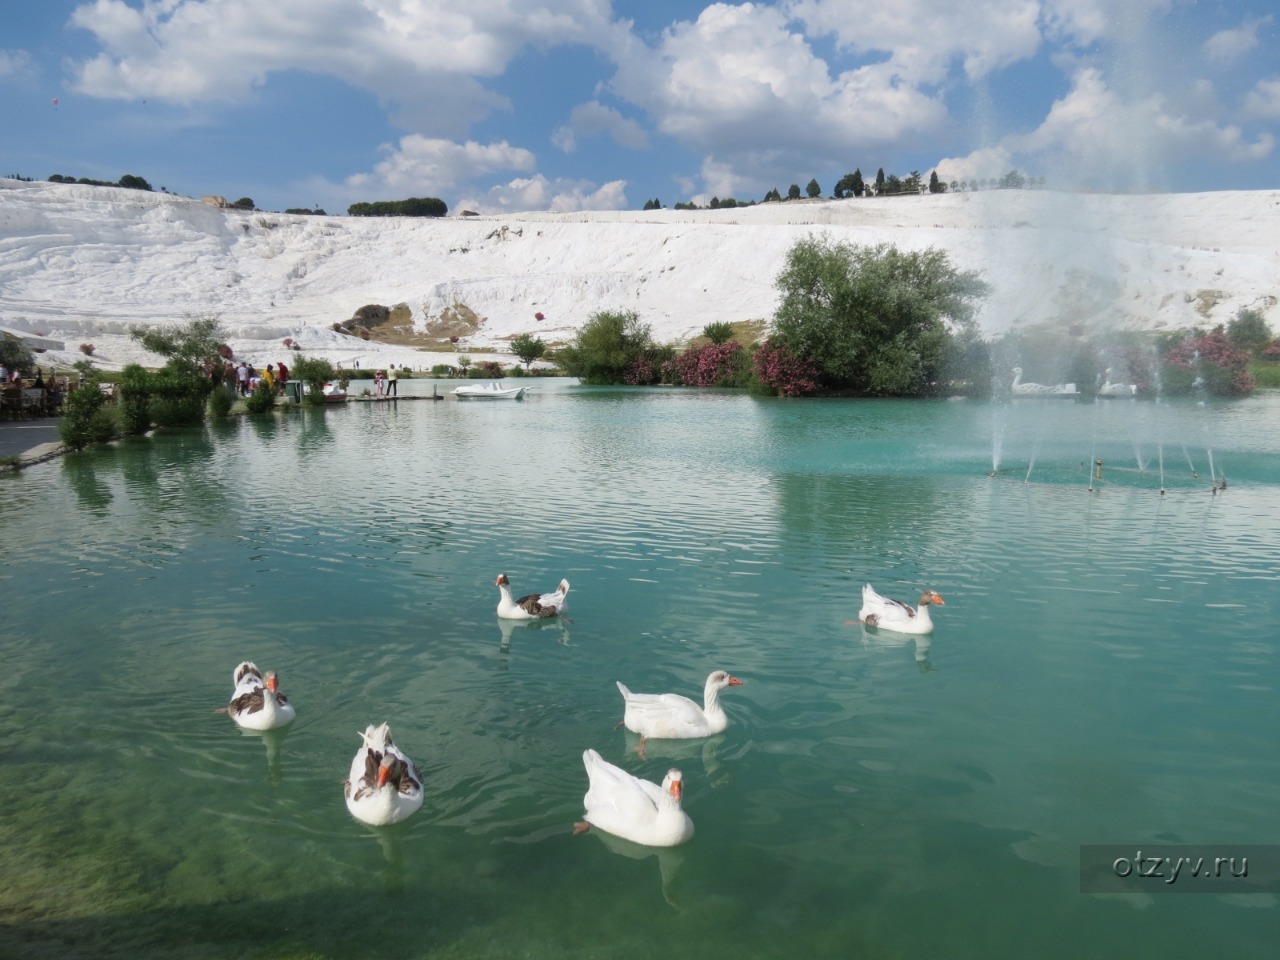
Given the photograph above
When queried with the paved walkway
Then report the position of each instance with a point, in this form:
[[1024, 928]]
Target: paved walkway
[[23, 437]]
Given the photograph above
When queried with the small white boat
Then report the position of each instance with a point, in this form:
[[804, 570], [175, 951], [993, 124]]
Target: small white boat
[[488, 391]]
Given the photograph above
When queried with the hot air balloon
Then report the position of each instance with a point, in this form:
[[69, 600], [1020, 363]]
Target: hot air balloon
[[55, 103]]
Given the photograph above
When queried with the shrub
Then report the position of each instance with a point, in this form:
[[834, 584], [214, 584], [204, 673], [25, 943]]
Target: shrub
[[783, 373], [718, 332], [1207, 362], [221, 401], [87, 349], [714, 365], [86, 418], [612, 347], [442, 370], [314, 372], [489, 369], [135, 400], [1248, 331], [261, 400]]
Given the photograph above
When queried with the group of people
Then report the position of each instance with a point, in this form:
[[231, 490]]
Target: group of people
[[243, 377], [384, 384], [52, 390]]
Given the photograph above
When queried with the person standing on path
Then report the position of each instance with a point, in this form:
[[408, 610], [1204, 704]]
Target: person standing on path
[[391, 381]]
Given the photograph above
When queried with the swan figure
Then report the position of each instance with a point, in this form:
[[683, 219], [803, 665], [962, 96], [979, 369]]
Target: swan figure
[[878, 611], [256, 700], [1109, 389], [384, 785], [669, 716], [631, 808], [533, 606], [1029, 389]]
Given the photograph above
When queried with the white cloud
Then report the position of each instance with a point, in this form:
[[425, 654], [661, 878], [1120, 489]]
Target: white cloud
[[922, 38], [593, 118], [1092, 137], [1228, 45], [739, 85], [422, 165], [1263, 101], [539, 193], [986, 164], [425, 57], [13, 62]]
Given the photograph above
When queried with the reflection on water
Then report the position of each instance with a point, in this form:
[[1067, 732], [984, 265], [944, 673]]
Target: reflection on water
[[1103, 672]]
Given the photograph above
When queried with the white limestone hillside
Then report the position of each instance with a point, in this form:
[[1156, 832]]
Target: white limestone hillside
[[82, 263]]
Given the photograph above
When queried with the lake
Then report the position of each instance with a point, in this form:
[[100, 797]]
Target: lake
[[1104, 671]]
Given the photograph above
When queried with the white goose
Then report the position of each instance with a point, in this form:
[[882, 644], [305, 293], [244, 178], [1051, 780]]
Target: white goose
[[669, 716], [256, 700], [384, 785], [878, 611], [1029, 389], [631, 808], [533, 606]]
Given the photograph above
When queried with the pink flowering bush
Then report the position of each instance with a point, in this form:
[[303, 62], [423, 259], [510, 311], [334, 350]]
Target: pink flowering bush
[[783, 373], [1271, 351], [642, 371], [713, 365], [1209, 362]]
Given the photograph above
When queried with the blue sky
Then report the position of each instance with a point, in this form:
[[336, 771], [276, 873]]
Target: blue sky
[[506, 105]]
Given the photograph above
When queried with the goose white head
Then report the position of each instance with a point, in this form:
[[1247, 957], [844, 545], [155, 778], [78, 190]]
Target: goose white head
[[673, 784]]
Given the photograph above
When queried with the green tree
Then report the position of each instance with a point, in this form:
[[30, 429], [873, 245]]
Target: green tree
[[1248, 331], [880, 181], [793, 192], [812, 189], [86, 418], [244, 203], [191, 347], [176, 394], [718, 332], [859, 188], [528, 348], [14, 354], [936, 185], [606, 346], [315, 372], [134, 183], [874, 320]]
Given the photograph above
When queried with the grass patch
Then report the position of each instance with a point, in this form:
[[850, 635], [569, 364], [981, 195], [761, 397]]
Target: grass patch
[[1266, 373]]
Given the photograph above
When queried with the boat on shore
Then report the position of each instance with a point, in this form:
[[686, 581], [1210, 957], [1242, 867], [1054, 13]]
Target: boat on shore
[[488, 391]]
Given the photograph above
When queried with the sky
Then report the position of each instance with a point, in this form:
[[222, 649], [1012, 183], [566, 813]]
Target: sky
[[563, 105]]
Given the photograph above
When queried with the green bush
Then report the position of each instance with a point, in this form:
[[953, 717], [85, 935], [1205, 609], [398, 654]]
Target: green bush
[[86, 418], [607, 347], [719, 332], [315, 372], [875, 320], [221, 400], [261, 400], [1266, 374], [178, 397], [135, 400]]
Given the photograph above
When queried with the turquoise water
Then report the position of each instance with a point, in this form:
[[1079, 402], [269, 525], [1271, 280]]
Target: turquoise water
[[1103, 671]]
